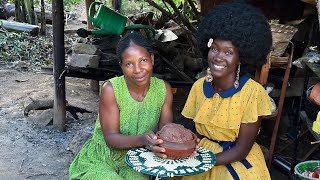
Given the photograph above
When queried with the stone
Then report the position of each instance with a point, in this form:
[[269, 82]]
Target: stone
[[81, 48], [84, 60]]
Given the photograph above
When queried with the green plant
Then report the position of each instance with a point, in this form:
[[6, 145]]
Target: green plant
[[23, 47], [68, 3]]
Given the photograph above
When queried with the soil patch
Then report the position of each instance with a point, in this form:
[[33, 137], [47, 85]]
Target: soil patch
[[28, 149]]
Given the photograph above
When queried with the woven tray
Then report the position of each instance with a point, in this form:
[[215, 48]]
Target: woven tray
[[281, 35]]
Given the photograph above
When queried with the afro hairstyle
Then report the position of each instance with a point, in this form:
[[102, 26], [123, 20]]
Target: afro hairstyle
[[242, 24]]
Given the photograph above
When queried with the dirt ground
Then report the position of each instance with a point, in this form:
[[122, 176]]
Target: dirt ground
[[30, 150]]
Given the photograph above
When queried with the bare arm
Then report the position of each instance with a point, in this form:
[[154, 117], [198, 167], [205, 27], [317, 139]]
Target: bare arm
[[247, 136], [166, 116], [166, 112], [110, 122]]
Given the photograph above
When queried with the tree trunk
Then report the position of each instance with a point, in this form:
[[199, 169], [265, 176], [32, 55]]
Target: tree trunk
[[20, 27], [43, 19], [28, 10], [24, 11], [33, 18], [18, 14], [117, 4]]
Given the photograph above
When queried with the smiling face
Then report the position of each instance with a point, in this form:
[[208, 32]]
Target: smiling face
[[137, 65], [223, 60]]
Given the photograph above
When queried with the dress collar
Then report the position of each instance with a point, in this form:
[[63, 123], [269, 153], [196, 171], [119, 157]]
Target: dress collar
[[209, 91]]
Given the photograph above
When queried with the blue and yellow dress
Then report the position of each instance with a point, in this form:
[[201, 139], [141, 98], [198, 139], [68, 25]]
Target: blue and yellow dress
[[96, 160], [218, 117]]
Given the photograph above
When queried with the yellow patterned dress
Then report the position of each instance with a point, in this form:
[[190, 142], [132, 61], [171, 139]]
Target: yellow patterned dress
[[96, 161], [218, 117]]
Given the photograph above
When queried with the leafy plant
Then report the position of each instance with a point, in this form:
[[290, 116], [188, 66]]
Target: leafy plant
[[23, 47]]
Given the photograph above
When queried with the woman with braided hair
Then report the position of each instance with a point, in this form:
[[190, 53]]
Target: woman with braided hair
[[131, 107], [226, 105]]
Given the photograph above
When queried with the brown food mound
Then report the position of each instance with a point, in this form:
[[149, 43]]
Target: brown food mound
[[175, 133]]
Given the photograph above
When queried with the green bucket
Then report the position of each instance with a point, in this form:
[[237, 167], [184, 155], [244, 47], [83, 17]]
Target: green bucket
[[300, 168]]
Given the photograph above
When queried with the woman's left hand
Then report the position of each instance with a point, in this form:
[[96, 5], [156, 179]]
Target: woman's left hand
[[152, 143]]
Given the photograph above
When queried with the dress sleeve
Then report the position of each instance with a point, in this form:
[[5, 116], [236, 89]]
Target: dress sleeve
[[259, 104], [190, 107]]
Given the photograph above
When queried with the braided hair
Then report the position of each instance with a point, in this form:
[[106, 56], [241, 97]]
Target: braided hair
[[133, 38], [242, 24]]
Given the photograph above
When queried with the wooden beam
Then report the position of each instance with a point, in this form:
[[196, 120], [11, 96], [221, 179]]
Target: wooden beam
[[89, 23], [59, 108]]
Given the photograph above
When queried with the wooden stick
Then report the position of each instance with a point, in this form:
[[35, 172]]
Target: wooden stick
[[315, 142]]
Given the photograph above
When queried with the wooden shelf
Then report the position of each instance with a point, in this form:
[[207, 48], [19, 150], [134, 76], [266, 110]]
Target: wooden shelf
[[261, 77]]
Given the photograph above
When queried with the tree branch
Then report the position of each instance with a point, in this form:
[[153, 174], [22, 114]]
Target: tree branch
[[194, 9], [182, 18], [163, 11]]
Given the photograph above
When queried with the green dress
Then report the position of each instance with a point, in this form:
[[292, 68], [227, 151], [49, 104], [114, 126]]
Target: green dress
[[96, 160]]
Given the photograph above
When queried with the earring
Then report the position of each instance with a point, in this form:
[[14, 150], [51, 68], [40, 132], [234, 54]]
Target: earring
[[236, 82], [209, 77], [210, 42]]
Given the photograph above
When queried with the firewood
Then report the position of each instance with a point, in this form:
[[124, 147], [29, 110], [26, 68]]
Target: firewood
[[47, 104]]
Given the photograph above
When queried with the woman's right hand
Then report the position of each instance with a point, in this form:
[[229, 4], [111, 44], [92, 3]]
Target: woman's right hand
[[152, 143]]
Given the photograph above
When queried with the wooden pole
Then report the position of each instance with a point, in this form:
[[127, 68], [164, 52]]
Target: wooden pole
[[59, 116], [43, 28], [94, 84], [89, 23], [24, 11], [318, 9], [18, 12], [117, 5], [28, 10], [33, 16]]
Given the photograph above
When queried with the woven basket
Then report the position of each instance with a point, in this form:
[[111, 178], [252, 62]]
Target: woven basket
[[281, 35]]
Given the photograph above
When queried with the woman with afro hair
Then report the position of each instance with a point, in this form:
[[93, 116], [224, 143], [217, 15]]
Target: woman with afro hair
[[226, 105]]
